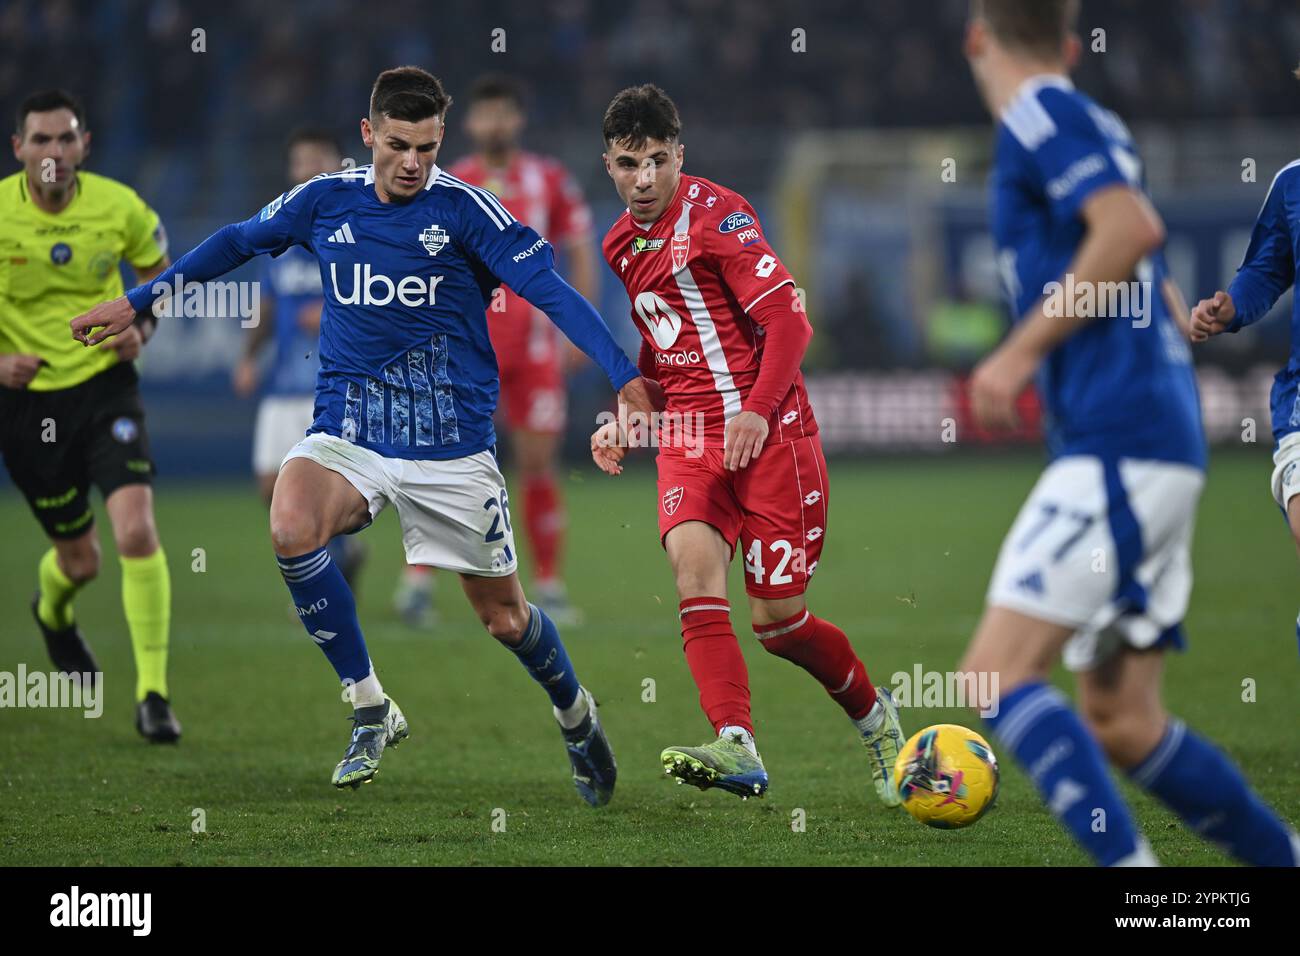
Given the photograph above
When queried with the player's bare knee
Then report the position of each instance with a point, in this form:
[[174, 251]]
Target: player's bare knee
[[698, 577], [1013, 667], [765, 611], [80, 563], [136, 536], [1127, 737], [293, 534], [506, 622]]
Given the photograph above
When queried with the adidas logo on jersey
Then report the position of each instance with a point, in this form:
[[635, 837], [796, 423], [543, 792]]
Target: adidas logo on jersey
[[1032, 582], [343, 234]]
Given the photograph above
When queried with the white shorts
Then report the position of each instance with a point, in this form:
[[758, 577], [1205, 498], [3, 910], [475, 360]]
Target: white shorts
[[1286, 476], [282, 421], [454, 514], [1104, 548]]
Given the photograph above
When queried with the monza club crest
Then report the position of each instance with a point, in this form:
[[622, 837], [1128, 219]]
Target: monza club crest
[[672, 498], [681, 248]]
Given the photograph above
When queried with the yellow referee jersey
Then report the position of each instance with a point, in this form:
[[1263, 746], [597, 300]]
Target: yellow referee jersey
[[55, 266]]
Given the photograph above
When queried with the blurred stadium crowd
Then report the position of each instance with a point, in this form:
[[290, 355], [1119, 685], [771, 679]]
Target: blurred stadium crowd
[[831, 116], [219, 118]]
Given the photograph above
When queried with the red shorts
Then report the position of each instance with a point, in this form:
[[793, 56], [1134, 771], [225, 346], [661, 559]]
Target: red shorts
[[775, 507], [532, 394]]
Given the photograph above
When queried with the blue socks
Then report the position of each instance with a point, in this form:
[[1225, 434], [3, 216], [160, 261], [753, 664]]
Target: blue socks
[[546, 659], [1201, 785], [1036, 724], [328, 611]]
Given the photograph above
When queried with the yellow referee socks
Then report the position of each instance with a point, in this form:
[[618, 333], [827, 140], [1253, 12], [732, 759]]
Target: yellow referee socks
[[57, 592], [147, 603]]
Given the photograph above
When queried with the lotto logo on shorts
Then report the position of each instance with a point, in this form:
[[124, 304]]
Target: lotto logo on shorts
[[812, 498], [673, 498], [814, 534]]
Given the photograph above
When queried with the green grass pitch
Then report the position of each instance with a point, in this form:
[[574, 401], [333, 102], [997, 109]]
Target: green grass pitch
[[907, 558]]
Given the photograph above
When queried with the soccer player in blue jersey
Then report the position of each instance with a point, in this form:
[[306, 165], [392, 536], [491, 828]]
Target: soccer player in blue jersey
[[1096, 567], [291, 300], [409, 257], [1268, 270]]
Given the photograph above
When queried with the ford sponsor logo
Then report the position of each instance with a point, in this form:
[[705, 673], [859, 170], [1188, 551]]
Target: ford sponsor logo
[[737, 220]]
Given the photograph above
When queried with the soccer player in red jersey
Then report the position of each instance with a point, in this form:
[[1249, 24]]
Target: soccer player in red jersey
[[533, 357], [723, 332]]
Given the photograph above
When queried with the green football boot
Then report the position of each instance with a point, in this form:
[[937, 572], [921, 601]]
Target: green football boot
[[725, 763], [882, 748], [373, 729]]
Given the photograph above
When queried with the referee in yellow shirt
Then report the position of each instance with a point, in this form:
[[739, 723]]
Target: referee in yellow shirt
[[71, 417]]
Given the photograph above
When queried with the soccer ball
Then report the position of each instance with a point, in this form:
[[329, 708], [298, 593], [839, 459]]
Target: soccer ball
[[947, 776]]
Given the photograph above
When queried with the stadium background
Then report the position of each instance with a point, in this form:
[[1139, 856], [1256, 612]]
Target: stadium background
[[865, 156], [842, 149]]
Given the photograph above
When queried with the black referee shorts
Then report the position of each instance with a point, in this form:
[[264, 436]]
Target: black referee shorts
[[56, 444]]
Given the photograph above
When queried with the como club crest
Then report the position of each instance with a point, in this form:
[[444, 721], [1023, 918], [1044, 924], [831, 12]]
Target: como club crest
[[681, 248], [673, 498], [433, 239]]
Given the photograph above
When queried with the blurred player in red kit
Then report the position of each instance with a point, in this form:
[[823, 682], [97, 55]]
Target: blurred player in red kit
[[532, 355], [723, 333]]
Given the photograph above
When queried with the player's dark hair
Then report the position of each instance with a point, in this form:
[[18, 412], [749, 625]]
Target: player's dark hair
[[1038, 27], [317, 135], [641, 113], [43, 101], [408, 93], [496, 86]]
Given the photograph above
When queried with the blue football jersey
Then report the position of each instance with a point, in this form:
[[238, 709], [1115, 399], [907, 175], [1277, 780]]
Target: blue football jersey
[[406, 365], [289, 283], [1123, 385], [1267, 271]]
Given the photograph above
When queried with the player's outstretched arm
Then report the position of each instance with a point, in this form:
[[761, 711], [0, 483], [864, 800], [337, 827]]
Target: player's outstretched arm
[[581, 323], [111, 318], [1267, 271], [273, 229]]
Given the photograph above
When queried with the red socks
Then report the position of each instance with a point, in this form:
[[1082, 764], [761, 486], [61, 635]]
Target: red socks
[[544, 522], [821, 648], [713, 655]]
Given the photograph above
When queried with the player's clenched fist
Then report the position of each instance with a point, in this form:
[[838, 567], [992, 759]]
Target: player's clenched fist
[[104, 320], [605, 449], [744, 440], [18, 370], [1211, 316]]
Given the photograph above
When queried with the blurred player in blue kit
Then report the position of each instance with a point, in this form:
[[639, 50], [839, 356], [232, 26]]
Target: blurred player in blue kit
[[291, 299], [1097, 566], [1267, 271], [409, 257]]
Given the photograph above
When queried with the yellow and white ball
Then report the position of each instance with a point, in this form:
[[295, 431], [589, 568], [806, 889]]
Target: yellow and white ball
[[947, 776]]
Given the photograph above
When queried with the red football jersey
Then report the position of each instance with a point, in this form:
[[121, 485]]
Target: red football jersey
[[540, 193], [692, 275]]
